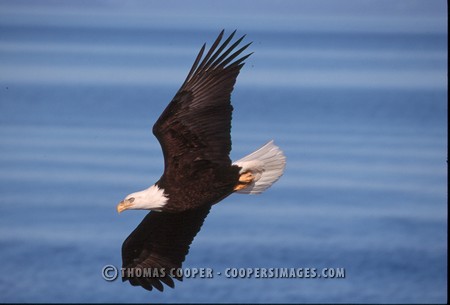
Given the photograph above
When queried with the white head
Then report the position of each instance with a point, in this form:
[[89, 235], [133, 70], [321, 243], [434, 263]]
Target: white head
[[152, 198]]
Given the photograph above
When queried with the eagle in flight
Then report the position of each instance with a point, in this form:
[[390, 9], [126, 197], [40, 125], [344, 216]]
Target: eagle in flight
[[194, 133]]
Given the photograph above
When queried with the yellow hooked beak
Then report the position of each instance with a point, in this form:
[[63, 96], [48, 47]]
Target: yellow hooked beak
[[124, 205]]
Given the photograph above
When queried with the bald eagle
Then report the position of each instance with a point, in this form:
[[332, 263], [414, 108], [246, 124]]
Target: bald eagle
[[194, 133]]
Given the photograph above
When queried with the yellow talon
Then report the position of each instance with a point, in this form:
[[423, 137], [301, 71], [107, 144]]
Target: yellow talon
[[244, 180], [246, 177]]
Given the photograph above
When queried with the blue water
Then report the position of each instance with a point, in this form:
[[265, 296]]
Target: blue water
[[359, 105]]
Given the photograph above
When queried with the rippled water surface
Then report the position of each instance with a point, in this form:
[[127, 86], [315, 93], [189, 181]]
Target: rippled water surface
[[358, 105]]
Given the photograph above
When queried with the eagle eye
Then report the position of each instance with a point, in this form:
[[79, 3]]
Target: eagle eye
[[130, 200]]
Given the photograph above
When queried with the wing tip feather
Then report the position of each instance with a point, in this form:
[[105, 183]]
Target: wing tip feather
[[220, 58]]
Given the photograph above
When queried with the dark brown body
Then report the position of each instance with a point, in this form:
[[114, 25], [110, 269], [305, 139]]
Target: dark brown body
[[208, 185]]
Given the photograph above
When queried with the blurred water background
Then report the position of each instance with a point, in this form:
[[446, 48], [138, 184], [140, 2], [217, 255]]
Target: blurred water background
[[355, 93]]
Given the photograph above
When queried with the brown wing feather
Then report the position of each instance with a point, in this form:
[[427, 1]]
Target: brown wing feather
[[161, 240], [196, 124]]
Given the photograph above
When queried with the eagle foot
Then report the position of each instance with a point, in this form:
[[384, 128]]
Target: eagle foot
[[244, 180]]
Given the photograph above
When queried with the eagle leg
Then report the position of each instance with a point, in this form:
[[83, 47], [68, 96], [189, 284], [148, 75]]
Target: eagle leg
[[244, 180]]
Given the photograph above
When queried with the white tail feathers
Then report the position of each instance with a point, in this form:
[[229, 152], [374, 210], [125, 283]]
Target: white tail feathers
[[265, 164]]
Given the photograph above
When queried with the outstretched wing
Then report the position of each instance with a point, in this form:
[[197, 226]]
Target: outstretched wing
[[159, 245], [196, 124]]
